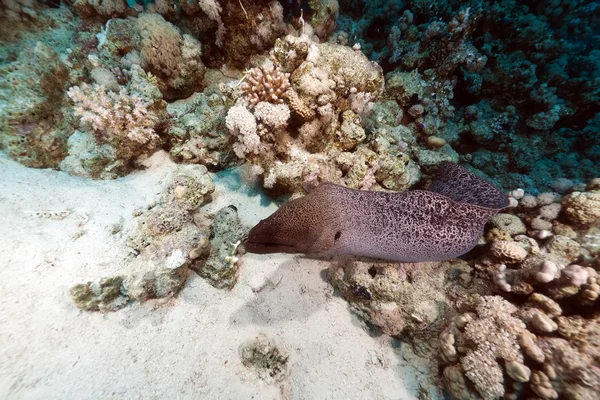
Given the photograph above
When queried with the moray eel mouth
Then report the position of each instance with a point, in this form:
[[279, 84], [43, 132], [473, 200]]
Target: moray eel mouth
[[267, 238], [264, 243], [268, 247]]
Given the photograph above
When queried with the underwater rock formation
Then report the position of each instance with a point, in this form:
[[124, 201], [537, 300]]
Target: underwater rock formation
[[409, 302], [162, 246], [217, 260], [32, 88], [104, 295]]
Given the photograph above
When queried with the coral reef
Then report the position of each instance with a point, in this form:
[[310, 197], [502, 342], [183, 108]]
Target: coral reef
[[523, 79], [316, 132], [549, 276], [430, 53], [115, 127], [371, 95], [516, 318], [197, 133]]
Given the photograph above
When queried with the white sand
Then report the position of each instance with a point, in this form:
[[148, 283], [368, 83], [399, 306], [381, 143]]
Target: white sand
[[186, 347]]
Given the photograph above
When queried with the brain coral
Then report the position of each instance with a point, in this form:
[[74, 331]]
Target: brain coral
[[507, 251], [509, 223], [582, 207]]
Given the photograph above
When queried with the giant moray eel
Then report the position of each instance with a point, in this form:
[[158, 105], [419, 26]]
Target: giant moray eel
[[440, 223]]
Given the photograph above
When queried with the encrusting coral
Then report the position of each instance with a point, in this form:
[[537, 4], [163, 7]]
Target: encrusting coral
[[32, 87]]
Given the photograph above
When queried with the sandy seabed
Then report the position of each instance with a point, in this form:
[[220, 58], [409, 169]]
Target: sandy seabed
[[181, 348]]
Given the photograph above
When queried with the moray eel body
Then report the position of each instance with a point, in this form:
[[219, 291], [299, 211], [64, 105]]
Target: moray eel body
[[437, 224]]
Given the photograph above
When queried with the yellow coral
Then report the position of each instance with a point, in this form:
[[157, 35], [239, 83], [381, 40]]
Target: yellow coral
[[496, 234], [582, 207], [298, 106], [509, 252]]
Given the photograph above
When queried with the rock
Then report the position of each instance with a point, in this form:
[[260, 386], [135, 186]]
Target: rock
[[220, 266], [518, 371], [509, 223], [105, 295], [269, 361]]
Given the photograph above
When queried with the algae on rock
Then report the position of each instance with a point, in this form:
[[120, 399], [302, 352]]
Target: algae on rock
[[219, 265], [105, 295], [270, 362]]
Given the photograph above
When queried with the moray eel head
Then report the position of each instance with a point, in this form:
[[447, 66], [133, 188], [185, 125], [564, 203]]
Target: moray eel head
[[304, 225]]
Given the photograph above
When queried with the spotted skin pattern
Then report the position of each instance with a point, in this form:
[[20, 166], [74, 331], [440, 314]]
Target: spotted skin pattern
[[441, 223], [459, 184]]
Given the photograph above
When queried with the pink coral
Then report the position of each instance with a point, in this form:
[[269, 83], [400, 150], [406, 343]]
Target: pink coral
[[266, 84]]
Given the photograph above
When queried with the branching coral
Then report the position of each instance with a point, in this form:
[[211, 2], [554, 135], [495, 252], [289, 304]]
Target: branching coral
[[266, 84], [114, 117], [114, 127]]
